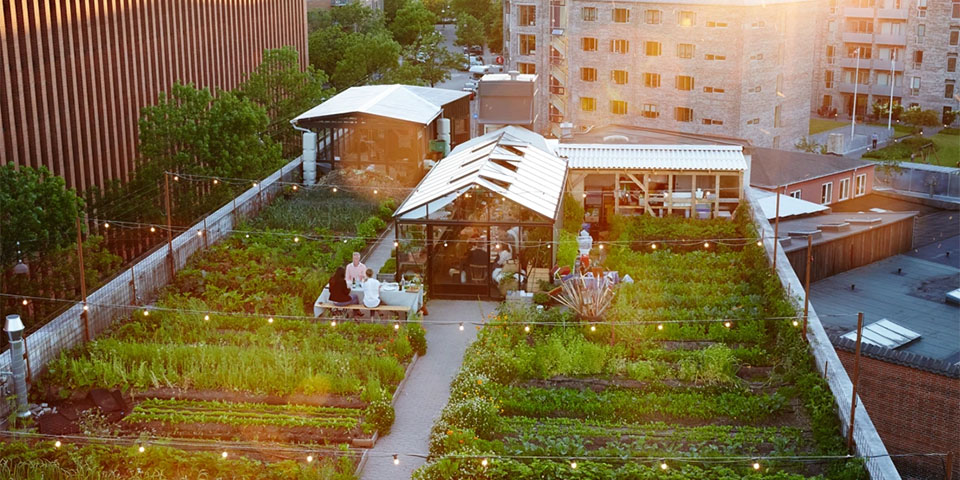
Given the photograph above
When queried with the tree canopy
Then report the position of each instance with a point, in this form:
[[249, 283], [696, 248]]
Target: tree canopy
[[412, 23], [36, 209]]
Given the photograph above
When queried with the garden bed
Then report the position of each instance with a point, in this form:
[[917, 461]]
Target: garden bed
[[542, 395], [230, 351]]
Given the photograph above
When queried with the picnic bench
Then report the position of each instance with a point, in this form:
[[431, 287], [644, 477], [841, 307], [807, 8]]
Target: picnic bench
[[391, 301]]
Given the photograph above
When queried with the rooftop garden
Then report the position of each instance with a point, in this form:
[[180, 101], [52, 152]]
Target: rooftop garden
[[697, 370], [230, 353]]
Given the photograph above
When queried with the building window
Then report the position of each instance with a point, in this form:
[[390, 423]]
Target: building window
[[686, 18], [758, 24], [684, 82], [652, 17], [528, 44], [756, 89], [588, 14], [711, 121], [948, 89], [527, 68], [527, 15], [620, 77], [826, 193], [917, 58], [753, 121], [795, 194], [588, 44], [711, 56], [956, 9], [685, 50], [954, 37], [861, 185], [683, 114], [588, 74], [777, 121], [620, 46], [713, 90], [712, 24], [651, 80], [776, 142], [652, 49], [588, 104], [952, 63], [758, 56], [844, 188], [618, 107], [915, 85], [621, 15], [921, 31], [650, 110]]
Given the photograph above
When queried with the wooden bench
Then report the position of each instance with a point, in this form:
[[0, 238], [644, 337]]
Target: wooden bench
[[399, 310]]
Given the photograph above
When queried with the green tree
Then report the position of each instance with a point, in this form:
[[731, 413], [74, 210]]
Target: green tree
[[37, 210], [921, 118], [881, 110], [413, 22], [469, 31], [810, 146], [391, 7], [285, 91], [436, 61], [440, 8], [366, 58], [494, 26]]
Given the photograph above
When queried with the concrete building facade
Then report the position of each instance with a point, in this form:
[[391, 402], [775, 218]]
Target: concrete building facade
[[739, 69], [921, 37], [74, 75]]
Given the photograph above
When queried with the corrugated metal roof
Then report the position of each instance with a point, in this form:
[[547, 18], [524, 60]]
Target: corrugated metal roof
[[504, 162], [885, 333], [401, 102], [653, 157], [789, 206]]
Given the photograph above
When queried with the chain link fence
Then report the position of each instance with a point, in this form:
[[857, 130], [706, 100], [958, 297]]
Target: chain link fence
[[139, 284]]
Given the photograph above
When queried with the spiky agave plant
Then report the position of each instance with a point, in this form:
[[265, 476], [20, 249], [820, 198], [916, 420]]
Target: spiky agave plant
[[588, 299]]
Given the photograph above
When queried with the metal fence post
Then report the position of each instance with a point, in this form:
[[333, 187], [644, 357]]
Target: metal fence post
[[83, 286], [856, 381]]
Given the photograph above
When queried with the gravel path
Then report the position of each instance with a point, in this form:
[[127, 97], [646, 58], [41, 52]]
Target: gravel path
[[427, 389]]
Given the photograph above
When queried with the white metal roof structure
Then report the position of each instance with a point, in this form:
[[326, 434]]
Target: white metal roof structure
[[505, 162], [600, 156], [401, 102], [885, 333], [789, 206]]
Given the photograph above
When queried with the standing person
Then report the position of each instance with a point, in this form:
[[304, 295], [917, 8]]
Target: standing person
[[371, 292], [355, 270], [874, 139], [339, 290]]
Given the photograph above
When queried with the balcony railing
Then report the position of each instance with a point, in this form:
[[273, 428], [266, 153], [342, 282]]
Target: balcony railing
[[557, 89], [893, 13], [866, 12], [856, 37], [890, 39], [556, 60]]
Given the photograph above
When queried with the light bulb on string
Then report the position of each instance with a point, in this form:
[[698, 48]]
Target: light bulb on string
[[333, 323], [484, 462], [146, 313], [106, 224], [206, 318], [526, 328], [396, 459], [270, 320], [727, 324], [375, 191], [153, 229], [663, 465], [601, 246], [796, 323], [659, 326], [593, 328], [246, 236], [25, 302], [215, 181], [255, 185], [334, 190], [199, 233], [309, 458], [57, 444], [86, 308], [141, 449], [573, 465], [294, 188], [756, 465], [461, 326], [396, 326], [759, 243], [224, 454], [396, 244], [706, 244], [653, 246]]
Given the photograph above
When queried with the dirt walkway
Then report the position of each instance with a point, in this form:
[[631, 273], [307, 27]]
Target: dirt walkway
[[427, 389]]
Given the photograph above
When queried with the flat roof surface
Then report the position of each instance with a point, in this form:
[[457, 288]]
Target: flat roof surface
[[771, 167], [913, 299], [813, 222]]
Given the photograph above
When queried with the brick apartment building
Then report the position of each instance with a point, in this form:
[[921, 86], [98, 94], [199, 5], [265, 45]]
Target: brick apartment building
[[922, 36], [74, 75], [740, 69]]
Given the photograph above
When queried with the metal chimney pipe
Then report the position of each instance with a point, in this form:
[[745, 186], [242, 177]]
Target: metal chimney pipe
[[14, 328]]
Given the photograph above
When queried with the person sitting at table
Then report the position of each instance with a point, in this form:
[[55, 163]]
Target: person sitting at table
[[371, 292], [355, 270], [339, 290]]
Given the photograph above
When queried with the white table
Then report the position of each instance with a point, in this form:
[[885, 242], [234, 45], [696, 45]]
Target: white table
[[412, 300]]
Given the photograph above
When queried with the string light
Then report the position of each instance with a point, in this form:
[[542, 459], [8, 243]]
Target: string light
[[663, 465], [57, 444], [199, 233], [333, 323], [215, 181], [246, 236], [461, 326], [396, 459], [375, 191], [396, 244], [727, 324], [270, 320], [573, 465], [759, 243], [25, 302], [255, 184], [653, 246], [206, 318], [334, 189], [176, 178], [484, 462], [141, 449], [396, 326], [756, 465], [659, 326], [294, 188], [796, 323], [86, 308], [526, 328], [223, 454], [153, 229], [601, 246], [296, 239], [706, 244], [309, 458], [146, 313], [106, 225], [593, 328]]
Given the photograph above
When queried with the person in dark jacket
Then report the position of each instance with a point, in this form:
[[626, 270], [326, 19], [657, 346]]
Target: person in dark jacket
[[339, 291]]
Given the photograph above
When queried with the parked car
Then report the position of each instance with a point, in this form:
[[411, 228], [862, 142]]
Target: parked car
[[471, 84], [475, 50]]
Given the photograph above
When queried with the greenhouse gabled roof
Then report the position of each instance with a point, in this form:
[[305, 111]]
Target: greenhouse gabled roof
[[512, 162], [401, 102], [653, 157]]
